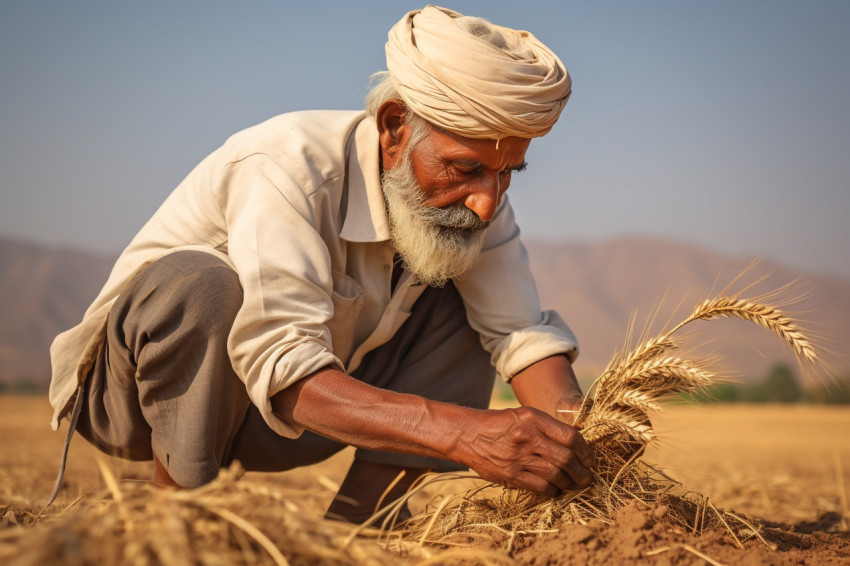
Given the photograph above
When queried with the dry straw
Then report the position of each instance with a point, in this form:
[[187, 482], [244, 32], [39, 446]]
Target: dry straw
[[615, 420], [233, 521]]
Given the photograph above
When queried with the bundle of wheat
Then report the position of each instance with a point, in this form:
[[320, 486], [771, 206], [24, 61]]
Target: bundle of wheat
[[615, 420]]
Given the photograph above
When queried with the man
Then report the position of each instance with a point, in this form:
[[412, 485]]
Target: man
[[358, 277]]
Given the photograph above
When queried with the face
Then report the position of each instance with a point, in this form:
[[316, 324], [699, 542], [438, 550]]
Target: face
[[453, 171], [441, 194], [457, 171]]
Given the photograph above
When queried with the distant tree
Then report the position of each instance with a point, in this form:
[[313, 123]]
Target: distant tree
[[839, 394], [756, 393], [834, 393], [781, 385], [729, 393], [718, 393]]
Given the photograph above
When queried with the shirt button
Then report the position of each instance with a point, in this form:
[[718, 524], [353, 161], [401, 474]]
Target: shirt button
[[386, 267]]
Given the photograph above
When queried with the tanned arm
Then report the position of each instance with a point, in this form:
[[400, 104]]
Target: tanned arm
[[521, 447], [549, 385]]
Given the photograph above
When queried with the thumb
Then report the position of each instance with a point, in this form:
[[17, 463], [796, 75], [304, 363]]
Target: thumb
[[567, 408]]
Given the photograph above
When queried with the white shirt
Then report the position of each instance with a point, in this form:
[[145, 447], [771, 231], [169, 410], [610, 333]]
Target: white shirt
[[295, 206]]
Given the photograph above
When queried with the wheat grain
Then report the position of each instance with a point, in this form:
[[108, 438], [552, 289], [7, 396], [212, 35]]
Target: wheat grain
[[764, 315], [617, 424]]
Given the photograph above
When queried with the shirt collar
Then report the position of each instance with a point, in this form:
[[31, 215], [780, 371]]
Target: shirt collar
[[366, 214]]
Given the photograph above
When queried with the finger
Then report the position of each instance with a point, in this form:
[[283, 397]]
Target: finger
[[555, 456], [570, 438], [552, 474], [533, 482], [567, 408], [568, 463], [567, 416], [580, 473]]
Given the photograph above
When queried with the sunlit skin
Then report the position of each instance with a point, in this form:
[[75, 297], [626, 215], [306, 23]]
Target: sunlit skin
[[530, 447], [451, 169]]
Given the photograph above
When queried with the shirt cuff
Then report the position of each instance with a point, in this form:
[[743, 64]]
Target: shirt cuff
[[297, 363], [524, 347]]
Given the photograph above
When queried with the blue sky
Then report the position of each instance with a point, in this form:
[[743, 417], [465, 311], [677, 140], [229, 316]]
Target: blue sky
[[721, 124]]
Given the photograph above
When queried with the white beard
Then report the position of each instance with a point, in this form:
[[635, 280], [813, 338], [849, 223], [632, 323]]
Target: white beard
[[436, 244]]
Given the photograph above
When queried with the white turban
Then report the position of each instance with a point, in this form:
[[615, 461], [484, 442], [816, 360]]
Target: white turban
[[467, 85]]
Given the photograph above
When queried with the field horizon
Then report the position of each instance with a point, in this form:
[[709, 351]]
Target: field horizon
[[788, 466]]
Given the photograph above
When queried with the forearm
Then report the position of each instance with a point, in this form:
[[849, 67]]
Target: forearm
[[515, 447], [337, 406], [548, 385]]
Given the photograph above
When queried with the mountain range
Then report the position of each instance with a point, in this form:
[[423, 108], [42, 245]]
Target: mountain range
[[600, 288], [597, 287]]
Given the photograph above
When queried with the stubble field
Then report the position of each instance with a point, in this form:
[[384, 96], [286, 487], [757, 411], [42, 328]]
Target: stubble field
[[786, 466]]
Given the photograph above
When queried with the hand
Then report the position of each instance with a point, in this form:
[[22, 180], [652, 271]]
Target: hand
[[567, 408], [526, 448]]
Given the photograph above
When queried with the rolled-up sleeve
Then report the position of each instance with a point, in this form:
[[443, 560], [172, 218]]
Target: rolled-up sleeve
[[280, 333], [503, 306]]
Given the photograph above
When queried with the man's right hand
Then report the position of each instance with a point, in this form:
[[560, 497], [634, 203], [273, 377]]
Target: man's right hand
[[525, 448], [522, 448]]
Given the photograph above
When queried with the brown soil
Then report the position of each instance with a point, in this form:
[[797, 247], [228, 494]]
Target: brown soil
[[786, 467], [643, 536]]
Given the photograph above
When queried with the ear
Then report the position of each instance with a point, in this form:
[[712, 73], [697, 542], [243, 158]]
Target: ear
[[393, 133]]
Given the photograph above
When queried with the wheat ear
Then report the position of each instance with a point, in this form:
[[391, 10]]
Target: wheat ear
[[764, 315]]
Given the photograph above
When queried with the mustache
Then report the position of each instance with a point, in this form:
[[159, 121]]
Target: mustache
[[455, 216]]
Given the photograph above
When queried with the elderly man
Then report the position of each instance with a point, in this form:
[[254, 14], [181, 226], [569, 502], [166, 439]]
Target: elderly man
[[338, 278]]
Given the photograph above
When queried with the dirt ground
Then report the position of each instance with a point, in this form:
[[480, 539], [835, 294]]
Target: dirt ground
[[786, 463], [786, 466]]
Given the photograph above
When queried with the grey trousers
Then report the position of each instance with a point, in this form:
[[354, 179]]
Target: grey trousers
[[163, 383]]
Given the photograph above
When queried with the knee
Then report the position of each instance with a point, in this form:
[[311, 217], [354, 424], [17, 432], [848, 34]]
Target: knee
[[193, 273], [180, 293], [208, 291]]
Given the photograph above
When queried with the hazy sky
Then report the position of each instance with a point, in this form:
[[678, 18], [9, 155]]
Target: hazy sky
[[723, 124]]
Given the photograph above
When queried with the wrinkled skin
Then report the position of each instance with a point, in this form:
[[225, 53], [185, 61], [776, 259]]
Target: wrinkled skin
[[523, 447], [532, 447], [451, 169]]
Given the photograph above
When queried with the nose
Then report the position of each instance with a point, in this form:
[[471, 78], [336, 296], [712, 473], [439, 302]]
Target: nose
[[484, 197]]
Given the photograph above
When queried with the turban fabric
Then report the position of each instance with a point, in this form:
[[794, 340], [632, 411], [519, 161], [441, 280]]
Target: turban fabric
[[465, 84]]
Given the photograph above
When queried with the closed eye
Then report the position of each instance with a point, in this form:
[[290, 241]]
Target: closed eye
[[467, 167], [472, 167]]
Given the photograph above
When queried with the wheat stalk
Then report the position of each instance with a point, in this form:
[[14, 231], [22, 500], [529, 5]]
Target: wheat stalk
[[614, 419], [647, 374]]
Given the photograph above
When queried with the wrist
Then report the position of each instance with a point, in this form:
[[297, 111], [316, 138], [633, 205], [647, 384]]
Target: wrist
[[549, 384], [452, 429]]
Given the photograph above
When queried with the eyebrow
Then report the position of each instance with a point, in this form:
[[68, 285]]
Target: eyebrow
[[472, 164], [520, 168]]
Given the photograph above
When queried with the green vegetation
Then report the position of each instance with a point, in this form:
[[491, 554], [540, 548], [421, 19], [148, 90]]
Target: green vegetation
[[23, 386], [779, 385]]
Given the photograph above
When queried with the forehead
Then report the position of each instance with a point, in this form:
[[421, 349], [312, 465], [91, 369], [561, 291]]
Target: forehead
[[448, 146]]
